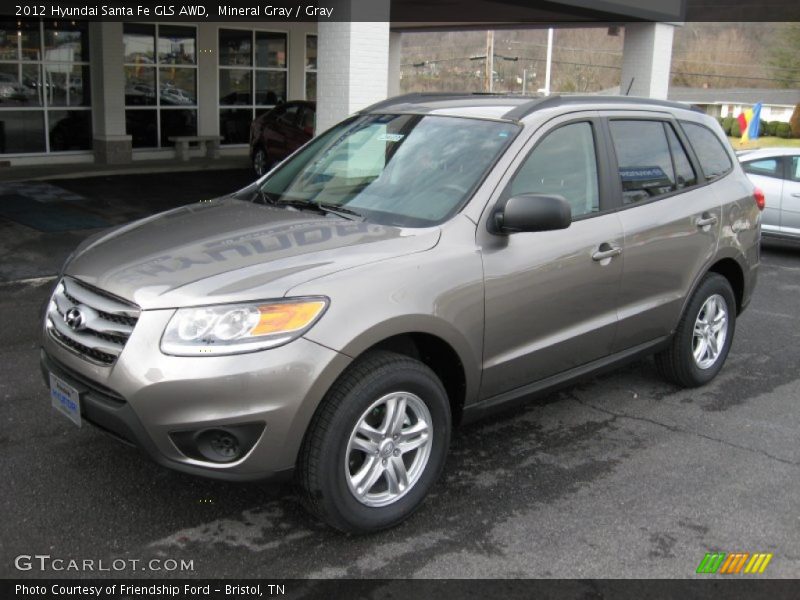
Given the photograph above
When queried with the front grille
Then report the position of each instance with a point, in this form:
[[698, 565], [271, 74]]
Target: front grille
[[98, 329]]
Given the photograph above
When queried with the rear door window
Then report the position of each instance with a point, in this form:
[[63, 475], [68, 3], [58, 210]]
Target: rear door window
[[646, 169], [769, 167], [714, 158]]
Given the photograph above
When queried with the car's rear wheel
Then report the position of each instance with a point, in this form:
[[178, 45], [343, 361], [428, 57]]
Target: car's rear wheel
[[376, 445], [704, 335], [260, 161]]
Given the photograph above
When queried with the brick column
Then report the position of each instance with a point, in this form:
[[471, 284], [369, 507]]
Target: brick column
[[353, 61], [646, 59], [111, 144]]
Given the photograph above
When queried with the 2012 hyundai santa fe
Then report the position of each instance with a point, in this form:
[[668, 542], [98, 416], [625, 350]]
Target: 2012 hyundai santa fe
[[426, 260]]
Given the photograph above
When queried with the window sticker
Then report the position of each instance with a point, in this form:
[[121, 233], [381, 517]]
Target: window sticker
[[390, 137]]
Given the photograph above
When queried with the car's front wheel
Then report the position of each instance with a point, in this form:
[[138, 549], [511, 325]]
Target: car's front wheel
[[376, 445], [704, 335]]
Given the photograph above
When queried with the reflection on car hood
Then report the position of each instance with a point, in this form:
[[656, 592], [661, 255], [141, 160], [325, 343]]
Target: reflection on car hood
[[228, 250]]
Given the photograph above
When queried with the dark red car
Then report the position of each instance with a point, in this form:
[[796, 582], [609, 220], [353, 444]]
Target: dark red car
[[279, 132]]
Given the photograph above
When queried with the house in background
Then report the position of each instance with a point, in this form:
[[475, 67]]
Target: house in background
[[776, 105]]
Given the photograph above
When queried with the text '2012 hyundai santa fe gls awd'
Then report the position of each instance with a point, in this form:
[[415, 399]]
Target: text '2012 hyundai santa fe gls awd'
[[421, 263]]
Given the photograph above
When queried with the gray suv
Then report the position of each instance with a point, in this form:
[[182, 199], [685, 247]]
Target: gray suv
[[428, 260]]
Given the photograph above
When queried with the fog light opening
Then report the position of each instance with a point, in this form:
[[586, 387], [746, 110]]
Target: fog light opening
[[218, 445]]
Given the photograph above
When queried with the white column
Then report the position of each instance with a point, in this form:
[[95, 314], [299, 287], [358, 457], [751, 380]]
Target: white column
[[646, 59], [111, 143], [394, 64], [207, 60], [353, 61]]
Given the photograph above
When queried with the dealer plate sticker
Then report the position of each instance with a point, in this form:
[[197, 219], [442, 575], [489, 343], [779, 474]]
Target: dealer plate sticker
[[66, 399]]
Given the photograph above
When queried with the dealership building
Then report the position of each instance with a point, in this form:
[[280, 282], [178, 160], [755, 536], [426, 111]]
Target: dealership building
[[76, 91]]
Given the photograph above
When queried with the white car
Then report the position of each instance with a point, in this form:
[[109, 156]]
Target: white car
[[776, 171]]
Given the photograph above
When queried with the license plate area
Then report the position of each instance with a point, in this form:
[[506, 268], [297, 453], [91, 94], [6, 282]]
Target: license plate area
[[65, 399]]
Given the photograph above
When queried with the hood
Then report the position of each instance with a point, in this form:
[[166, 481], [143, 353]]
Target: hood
[[230, 250]]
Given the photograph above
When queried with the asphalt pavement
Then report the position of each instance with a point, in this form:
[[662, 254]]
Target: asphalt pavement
[[622, 475]]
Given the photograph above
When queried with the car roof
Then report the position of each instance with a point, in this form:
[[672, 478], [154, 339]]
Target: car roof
[[509, 107], [748, 155]]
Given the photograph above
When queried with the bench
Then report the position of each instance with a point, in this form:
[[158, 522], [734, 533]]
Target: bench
[[208, 143]]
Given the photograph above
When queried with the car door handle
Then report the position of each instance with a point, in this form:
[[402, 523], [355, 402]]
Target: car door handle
[[705, 221], [609, 251], [796, 195]]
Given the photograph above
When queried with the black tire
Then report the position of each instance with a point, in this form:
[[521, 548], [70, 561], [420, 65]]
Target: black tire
[[677, 363], [260, 161], [321, 471]]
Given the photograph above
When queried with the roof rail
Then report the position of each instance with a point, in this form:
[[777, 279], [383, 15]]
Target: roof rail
[[419, 96], [523, 110]]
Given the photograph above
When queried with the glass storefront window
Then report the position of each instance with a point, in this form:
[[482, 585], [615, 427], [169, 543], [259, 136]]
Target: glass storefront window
[[142, 126], [21, 131], [253, 77], [235, 47], [160, 83], [45, 100], [20, 40], [140, 86], [20, 85], [270, 87], [66, 84], [176, 45], [271, 50], [70, 130], [66, 41], [139, 43], [234, 125], [177, 86], [234, 87], [177, 122]]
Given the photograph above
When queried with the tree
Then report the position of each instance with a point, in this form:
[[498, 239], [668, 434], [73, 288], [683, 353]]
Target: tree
[[794, 122], [785, 56]]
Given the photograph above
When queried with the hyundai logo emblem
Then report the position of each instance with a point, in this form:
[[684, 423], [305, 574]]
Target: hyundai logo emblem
[[74, 319]]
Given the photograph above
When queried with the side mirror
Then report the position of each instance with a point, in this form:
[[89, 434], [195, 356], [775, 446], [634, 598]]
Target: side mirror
[[531, 212]]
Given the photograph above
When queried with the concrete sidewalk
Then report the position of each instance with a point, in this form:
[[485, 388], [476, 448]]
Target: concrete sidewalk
[[42, 221], [59, 171]]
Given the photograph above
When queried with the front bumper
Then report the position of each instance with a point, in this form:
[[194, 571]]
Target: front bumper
[[146, 397]]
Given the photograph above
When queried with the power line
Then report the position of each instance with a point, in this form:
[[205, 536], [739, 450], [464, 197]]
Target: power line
[[615, 68]]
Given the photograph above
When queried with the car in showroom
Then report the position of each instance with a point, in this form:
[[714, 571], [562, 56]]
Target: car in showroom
[[279, 132], [776, 171], [428, 260]]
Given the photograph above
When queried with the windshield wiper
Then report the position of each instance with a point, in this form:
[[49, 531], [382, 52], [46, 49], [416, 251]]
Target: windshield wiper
[[340, 211], [321, 207]]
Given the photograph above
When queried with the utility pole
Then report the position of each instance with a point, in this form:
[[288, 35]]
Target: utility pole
[[549, 62], [488, 85]]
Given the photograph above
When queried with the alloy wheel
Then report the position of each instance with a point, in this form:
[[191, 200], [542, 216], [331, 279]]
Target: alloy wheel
[[388, 449], [710, 331]]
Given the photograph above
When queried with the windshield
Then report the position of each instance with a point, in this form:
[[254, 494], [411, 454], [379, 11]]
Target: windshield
[[404, 170]]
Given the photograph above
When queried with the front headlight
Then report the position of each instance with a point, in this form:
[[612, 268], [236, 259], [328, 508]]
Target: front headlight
[[238, 328]]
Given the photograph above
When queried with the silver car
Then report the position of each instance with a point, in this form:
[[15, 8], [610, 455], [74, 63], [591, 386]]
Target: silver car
[[776, 172], [426, 261]]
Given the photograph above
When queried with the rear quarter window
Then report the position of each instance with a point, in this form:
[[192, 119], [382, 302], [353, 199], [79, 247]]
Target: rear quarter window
[[714, 158]]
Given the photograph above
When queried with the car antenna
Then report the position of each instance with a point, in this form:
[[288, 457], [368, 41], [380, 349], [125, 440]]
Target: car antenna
[[630, 85]]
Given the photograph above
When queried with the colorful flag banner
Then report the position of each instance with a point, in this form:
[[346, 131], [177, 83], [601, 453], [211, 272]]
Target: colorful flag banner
[[749, 121]]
